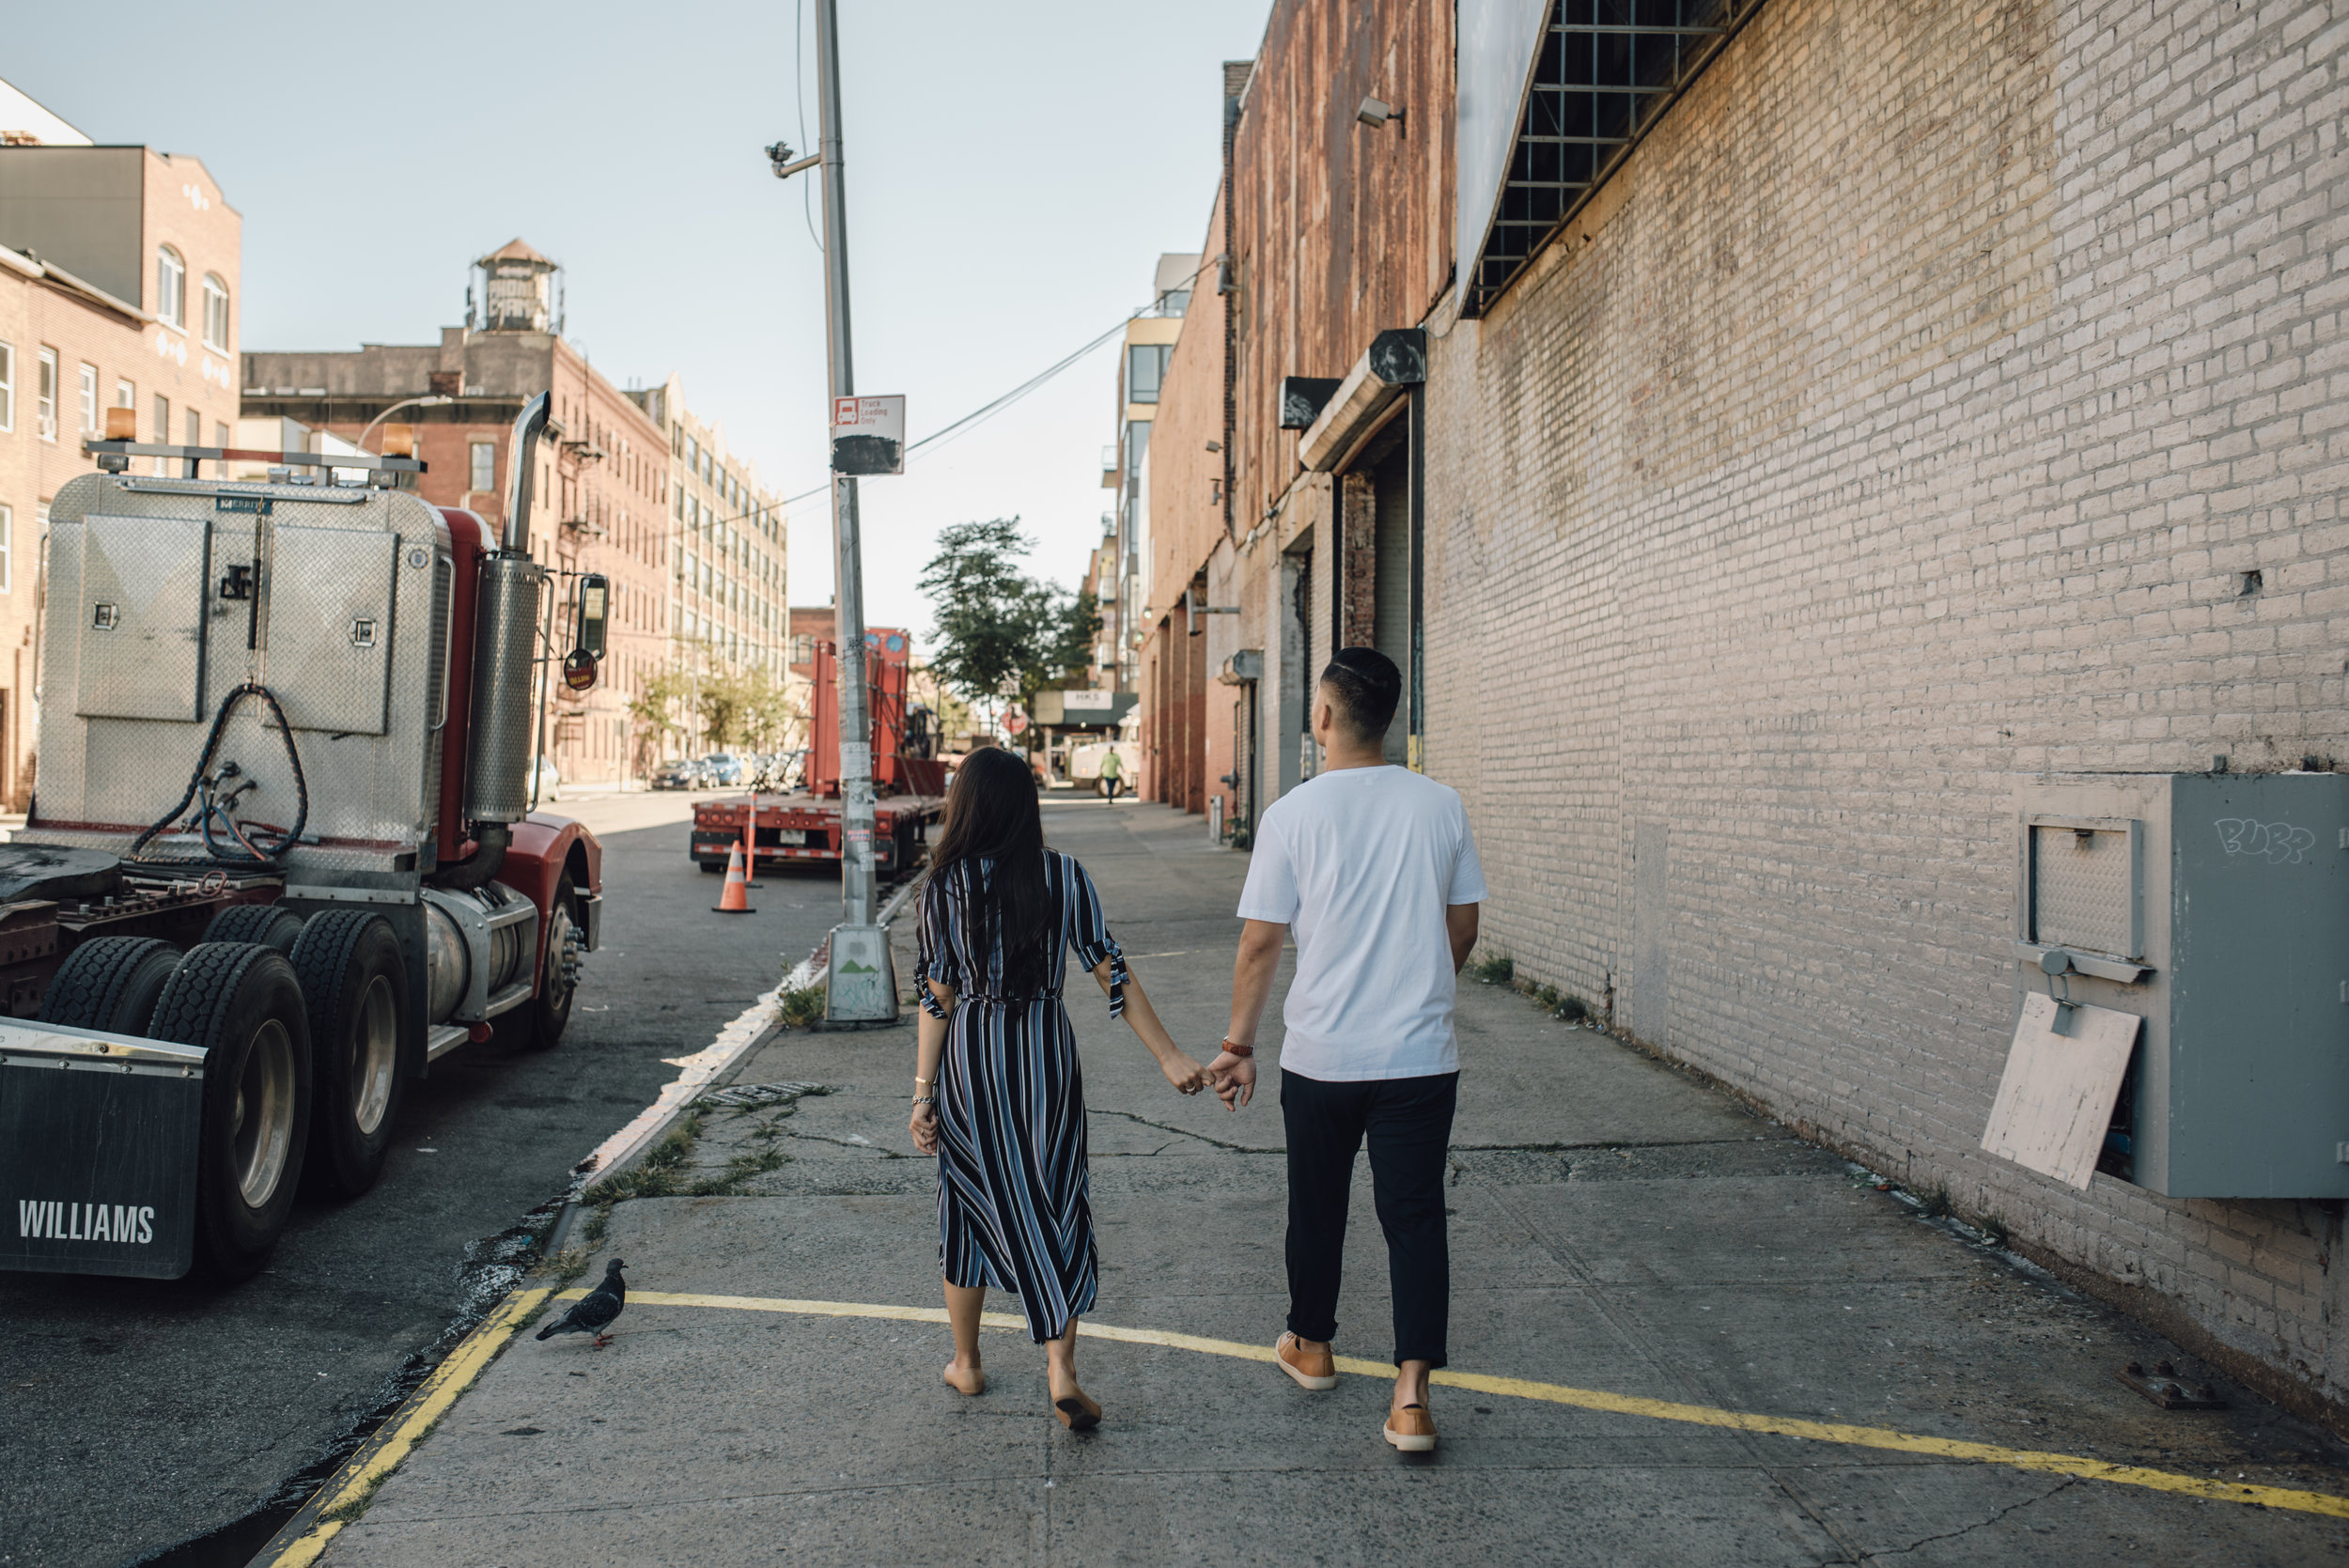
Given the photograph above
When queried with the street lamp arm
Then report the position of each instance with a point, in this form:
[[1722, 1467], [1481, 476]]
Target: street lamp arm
[[431, 400]]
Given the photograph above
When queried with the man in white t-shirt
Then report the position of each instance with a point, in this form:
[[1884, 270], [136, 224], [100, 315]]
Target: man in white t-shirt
[[1373, 867]]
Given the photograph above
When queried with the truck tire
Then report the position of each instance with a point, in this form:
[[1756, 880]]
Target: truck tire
[[270, 924], [110, 984], [354, 985], [241, 1002], [539, 1023]]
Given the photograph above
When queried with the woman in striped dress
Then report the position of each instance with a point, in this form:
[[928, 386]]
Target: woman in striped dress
[[998, 1094]]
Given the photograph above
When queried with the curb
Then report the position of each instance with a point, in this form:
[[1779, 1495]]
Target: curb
[[307, 1534], [304, 1537]]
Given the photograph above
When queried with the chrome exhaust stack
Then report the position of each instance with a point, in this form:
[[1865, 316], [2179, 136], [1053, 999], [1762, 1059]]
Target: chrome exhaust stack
[[505, 633]]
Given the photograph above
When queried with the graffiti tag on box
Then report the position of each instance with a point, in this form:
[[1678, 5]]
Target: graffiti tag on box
[[2279, 843]]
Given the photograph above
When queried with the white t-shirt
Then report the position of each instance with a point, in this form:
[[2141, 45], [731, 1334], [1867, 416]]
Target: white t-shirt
[[1361, 863]]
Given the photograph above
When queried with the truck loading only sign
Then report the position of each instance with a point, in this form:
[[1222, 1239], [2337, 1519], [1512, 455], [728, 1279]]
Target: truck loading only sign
[[868, 435]]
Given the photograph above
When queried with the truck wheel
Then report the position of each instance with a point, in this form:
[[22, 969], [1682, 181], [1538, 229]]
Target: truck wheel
[[540, 1021], [355, 987], [270, 924], [110, 984], [242, 1003]]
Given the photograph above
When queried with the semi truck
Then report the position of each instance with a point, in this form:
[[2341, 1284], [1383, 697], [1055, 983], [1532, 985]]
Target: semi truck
[[281, 854], [909, 780]]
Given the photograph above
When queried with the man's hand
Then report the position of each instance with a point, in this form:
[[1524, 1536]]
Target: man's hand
[[1234, 1079]]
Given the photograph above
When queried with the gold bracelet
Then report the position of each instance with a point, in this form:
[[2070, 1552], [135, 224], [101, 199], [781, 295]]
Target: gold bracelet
[[925, 1082]]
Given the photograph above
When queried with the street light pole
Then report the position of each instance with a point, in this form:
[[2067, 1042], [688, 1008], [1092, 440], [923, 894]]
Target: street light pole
[[856, 745]]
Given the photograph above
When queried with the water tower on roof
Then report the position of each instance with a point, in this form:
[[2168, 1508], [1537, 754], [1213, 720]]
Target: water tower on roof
[[518, 291]]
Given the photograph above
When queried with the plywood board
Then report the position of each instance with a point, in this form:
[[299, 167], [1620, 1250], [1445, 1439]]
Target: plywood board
[[2056, 1098]]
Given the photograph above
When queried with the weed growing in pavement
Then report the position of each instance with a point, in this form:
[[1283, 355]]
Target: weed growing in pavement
[[1494, 969], [738, 1170], [1937, 1203], [349, 1511], [1994, 1229], [803, 1005]]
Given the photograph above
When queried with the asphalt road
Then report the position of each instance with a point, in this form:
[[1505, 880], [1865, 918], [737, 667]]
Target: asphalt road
[[137, 1415]]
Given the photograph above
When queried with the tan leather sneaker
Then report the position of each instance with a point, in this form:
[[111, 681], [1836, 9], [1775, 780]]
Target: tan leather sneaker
[[1412, 1429], [1312, 1369]]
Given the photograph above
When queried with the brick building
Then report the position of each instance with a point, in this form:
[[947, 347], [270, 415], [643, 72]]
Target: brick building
[[631, 487], [120, 271], [1772, 448]]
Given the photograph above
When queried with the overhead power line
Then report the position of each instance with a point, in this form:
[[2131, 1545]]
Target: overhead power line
[[988, 411]]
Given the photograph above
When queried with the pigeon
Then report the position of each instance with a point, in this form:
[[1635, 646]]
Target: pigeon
[[593, 1313]]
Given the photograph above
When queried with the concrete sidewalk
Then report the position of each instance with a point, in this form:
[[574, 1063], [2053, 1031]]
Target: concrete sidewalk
[[1647, 1279]]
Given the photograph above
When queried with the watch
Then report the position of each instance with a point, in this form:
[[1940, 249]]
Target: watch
[[1238, 1050]]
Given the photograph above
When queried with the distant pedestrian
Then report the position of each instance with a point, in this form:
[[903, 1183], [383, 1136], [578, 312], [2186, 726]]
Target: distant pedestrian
[[1112, 770], [997, 1093], [1373, 867]]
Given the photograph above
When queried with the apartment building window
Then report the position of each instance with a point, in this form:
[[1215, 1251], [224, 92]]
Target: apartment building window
[[171, 288], [220, 433], [163, 427], [126, 395], [88, 387], [7, 550], [1145, 370], [45, 395], [215, 311], [196, 428], [8, 386], [485, 466]]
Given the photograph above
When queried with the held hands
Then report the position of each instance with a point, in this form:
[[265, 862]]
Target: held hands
[[1184, 1073], [1234, 1079]]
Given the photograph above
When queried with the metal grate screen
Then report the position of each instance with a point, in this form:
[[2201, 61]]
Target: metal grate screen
[[1604, 74]]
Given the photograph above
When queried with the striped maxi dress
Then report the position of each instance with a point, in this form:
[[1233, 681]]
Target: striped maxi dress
[[1013, 1206]]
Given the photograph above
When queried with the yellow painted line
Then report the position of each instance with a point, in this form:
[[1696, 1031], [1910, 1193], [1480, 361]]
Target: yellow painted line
[[438, 1392], [2085, 1469]]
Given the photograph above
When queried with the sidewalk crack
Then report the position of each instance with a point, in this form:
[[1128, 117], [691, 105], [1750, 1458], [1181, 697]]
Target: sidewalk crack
[[2065, 1484], [1180, 1132]]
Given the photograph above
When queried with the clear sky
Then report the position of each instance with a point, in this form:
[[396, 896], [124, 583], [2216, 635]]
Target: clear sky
[[1014, 171]]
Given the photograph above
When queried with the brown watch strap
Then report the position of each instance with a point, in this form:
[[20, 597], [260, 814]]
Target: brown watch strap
[[1239, 1050]]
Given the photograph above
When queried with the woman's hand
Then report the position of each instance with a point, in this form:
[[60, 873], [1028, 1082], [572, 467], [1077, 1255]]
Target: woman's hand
[[923, 1126], [1185, 1074]]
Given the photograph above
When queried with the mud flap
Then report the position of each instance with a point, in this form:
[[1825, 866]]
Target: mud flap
[[98, 1150]]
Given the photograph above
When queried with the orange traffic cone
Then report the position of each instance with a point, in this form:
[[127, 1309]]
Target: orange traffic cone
[[735, 900]]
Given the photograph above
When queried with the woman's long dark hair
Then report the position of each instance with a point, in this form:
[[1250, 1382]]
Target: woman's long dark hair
[[991, 816]]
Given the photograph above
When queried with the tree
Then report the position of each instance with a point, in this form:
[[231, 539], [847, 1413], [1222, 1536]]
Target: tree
[[663, 704], [1000, 631], [987, 607]]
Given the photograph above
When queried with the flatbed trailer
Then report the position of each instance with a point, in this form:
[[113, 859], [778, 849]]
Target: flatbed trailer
[[908, 781], [804, 827]]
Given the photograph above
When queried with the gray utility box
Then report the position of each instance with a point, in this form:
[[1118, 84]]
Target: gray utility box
[[2215, 906]]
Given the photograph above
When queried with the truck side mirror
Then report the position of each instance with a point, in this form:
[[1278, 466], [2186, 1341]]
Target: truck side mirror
[[595, 602]]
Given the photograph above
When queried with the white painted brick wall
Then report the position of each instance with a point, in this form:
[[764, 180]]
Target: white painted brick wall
[[1906, 429]]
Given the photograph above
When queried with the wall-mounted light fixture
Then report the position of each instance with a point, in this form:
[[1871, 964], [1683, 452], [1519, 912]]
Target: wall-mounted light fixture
[[1375, 115]]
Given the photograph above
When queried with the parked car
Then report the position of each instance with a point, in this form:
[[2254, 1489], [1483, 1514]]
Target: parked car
[[722, 771], [677, 773]]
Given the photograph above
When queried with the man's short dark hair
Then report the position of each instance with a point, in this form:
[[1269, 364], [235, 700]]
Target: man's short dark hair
[[1364, 686]]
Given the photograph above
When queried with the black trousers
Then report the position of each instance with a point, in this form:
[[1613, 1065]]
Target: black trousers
[[1409, 1124]]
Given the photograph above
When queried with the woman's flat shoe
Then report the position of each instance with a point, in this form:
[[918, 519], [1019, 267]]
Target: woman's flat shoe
[[1078, 1413]]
